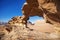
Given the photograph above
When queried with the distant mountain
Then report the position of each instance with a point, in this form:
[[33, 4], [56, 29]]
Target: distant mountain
[[3, 23]]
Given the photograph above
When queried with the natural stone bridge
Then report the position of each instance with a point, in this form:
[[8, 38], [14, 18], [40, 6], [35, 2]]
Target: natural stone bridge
[[17, 29], [48, 9]]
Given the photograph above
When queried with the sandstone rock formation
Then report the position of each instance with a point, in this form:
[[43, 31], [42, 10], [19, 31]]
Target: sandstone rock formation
[[17, 29], [48, 9], [17, 20], [21, 33], [4, 30]]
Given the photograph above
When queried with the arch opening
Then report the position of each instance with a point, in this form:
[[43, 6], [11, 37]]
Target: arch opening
[[33, 19]]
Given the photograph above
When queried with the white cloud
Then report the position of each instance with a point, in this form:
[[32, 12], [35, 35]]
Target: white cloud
[[25, 3]]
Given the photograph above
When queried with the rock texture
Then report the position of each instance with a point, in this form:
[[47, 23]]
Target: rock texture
[[17, 29], [21, 33], [17, 20], [48, 9]]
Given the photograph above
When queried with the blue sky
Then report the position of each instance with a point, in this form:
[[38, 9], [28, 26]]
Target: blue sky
[[11, 8]]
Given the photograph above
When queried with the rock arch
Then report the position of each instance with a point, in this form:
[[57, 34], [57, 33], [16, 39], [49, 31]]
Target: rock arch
[[48, 9]]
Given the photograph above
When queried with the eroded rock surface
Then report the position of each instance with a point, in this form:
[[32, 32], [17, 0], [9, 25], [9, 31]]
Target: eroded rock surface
[[12, 31], [48, 9], [16, 29], [17, 20], [21, 33]]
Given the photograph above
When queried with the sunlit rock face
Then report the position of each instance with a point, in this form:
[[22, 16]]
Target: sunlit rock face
[[16, 27], [48, 9], [17, 20], [18, 33], [4, 30], [16, 30]]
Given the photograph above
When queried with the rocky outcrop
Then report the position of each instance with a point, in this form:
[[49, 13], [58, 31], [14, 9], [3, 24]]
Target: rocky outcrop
[[48, 9], [4, 30], [17, 31], [17, 20], [21, 33]]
